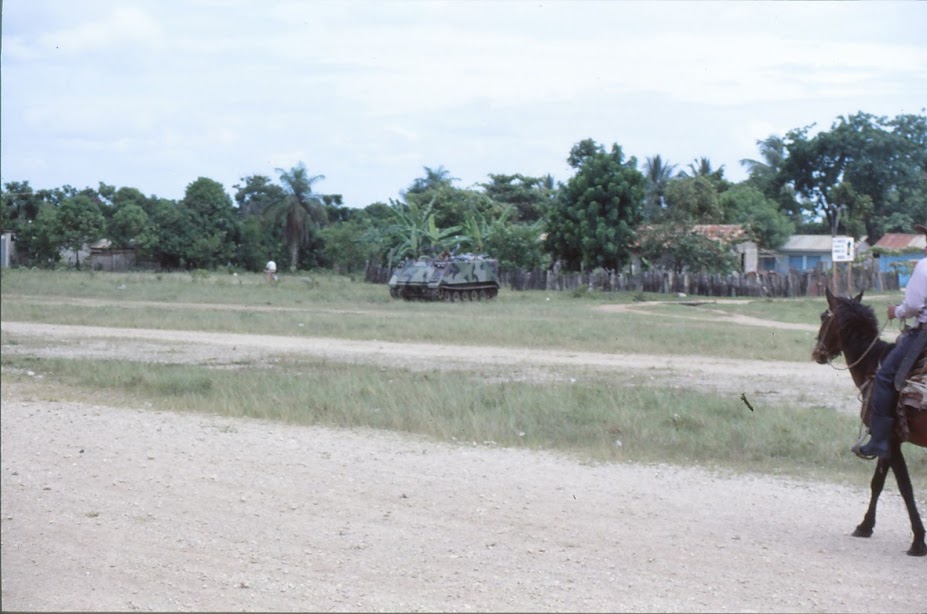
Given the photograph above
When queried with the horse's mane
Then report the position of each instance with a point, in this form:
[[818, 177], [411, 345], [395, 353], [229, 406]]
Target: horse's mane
[[858, 324]]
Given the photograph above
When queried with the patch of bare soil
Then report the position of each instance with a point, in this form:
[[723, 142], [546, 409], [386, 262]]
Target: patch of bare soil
[[717, 315], [122, 508]]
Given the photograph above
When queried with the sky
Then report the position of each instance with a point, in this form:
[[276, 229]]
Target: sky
[[153, 94]]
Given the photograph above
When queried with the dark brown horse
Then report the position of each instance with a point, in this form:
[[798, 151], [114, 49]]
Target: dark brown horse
[[850, 327]]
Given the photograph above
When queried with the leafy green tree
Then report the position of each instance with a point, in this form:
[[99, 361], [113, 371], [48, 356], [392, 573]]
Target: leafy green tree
[[376, 227], [56, 196], [884, 156], [174, 232], [592, 222], [517, 245], [910, 191], [301, 209], [693, 200], [904, 209], [257, 194], [262, 238], [856, 208], [815, 166], [513, 244], [20, 208], [215, 223], [860, 156], [450, 205], [344, 248], [530, 196], [677, 246], [20, 202], [131, 227], [37, 240], [903, 202], [746, 205], [131, 196], [259, 243], [79, 223]]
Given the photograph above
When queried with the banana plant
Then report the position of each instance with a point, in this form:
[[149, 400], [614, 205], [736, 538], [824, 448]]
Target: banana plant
[[415, 231]]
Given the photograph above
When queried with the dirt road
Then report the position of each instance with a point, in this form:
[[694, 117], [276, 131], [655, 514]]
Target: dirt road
[[122, 508]]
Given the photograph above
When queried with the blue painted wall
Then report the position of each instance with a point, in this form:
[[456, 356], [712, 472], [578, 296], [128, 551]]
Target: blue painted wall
[[886, 261]]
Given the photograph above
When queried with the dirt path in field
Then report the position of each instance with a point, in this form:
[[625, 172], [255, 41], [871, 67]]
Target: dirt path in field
[[802, 384], [122, 508], [704, 313]]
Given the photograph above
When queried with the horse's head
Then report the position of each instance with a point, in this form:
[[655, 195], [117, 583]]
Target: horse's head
[[828, 343]]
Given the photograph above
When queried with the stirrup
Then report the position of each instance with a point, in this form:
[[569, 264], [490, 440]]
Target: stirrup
[[859, 444]]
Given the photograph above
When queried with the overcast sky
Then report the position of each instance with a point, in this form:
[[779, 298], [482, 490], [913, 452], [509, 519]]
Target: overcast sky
[[152, 94]]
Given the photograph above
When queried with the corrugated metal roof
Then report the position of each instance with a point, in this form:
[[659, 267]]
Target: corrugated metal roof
[[898, 240], [808, 243]]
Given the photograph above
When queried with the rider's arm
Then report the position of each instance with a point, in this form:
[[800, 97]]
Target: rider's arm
[[914, 304]]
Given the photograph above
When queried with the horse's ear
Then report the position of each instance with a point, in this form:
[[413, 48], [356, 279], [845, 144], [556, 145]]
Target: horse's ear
[[859, 297], [830, 297]]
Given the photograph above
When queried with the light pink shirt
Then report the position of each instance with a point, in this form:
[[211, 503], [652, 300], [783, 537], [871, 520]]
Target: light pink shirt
[[914, 304]]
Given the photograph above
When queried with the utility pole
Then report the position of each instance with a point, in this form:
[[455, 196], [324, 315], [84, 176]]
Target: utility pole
[[833, 261]]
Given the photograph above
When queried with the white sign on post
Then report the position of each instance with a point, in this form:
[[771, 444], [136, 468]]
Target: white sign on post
[[842, 249]]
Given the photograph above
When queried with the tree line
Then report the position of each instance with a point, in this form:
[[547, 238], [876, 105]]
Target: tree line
[[865, 175]]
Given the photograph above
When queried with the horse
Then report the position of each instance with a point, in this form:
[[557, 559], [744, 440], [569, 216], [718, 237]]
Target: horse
[[850, 327]]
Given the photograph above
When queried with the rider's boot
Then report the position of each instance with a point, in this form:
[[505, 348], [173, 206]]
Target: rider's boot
[[880, 429]]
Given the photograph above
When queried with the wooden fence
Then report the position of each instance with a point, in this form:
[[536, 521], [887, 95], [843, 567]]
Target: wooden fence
[[768, 283]]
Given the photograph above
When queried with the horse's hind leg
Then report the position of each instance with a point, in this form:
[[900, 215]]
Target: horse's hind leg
[[864, 529], [900, 468]]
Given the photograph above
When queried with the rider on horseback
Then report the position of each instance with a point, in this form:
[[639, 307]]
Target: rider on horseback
[[884, 395]]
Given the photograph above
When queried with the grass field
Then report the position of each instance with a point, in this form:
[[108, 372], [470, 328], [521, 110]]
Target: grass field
[[598, 418], [335, 306]]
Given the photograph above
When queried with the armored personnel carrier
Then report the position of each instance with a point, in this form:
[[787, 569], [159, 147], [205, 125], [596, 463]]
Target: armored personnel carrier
[[449, 278]]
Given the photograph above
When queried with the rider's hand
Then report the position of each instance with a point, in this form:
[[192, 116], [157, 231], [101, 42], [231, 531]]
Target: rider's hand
[[891, 312]]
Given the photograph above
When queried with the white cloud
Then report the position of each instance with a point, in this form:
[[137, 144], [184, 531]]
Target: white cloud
[[377, 90], [125, 26]]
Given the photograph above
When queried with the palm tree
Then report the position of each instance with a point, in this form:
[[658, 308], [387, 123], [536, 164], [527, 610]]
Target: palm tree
[[772, 150], [764, 173], [300, 207], [434, 178], [701, 167], [658, 174]]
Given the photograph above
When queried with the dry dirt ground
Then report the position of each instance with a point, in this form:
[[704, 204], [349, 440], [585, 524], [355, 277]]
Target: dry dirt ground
[[123, 508]]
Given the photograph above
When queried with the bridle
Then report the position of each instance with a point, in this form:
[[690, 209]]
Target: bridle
[[829, 314]]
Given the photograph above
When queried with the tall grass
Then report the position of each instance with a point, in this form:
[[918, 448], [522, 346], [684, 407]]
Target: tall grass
[[595, 420]]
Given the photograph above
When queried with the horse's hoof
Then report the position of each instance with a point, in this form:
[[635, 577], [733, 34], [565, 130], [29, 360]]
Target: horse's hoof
[[861, 532], [918, 550]]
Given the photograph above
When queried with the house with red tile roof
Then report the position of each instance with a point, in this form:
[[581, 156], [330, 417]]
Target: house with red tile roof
[[733, 235]]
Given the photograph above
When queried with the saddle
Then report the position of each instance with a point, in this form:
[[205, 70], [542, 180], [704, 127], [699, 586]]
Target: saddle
[[912, 395], [914, 355], [913, 392]]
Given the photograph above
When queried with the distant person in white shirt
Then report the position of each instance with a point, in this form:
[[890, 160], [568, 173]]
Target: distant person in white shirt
[[884, 394], [270, 270]]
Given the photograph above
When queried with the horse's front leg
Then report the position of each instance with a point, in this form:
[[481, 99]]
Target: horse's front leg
[[864, 529], [900, 468]]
